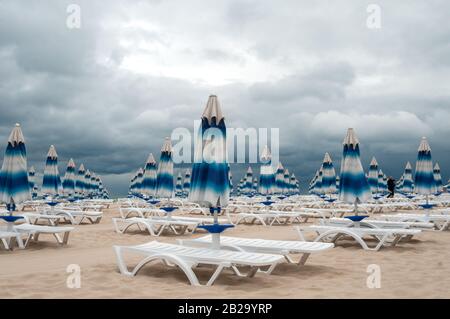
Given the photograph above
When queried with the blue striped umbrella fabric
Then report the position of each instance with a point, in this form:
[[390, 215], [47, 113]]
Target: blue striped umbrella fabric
[[139, 179], [14, 186], [179, 185], [287, 182], [437, 177], [94, 185], [87, 183], [424, 178], [294, 184], [354, 187], [164, 179], [328, 175], [382, 188], [266, 176], [187, 182], [148, 186], [69, 179], [312, 183], [230, 178], [248, 181], [32, 181], [279, 179], [408, 183], [210, 180], [51, 183], [79, 182], [255, 185], [373, 176], [318, 182]]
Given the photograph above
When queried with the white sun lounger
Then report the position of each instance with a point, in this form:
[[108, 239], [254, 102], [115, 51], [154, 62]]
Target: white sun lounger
[[6, 237], [35, 218], [76, 217], [441, 222], [186, 258], [268, 218], [265, 246], [155, 226], [384, 237], [376, 223], [34, 231], [127, 212]]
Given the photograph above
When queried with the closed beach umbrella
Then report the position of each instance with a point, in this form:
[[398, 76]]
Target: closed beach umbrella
[[179, 185], [187, 182], [69, 179], [266, 176], [210, 179], [287, 182], [14, 186], [164, 179], [318, 182], [87, 183], [424, 183], [382, 189], [148, 186], [279, 179], [437, 177], [249, 181], [373, 176], [353, 183], [328, 175], [51, 183], [139, 179], [79, 183], [407, 184], [338, 180], [32, 181]]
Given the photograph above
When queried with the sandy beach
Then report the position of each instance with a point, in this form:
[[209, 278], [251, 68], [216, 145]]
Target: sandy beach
[[417, 269]]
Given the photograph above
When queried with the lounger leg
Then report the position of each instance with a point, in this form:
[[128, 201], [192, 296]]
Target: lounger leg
[[216, 274], [301, 261], [6, 244], [66, 238]]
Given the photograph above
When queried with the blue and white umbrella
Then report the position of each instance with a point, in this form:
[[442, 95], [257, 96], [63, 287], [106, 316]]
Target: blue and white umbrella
[[266, 176], [338, 180], [164, 180], [424, 183], [328, 176], [69, 179], [294, 185], [287, 182], [94, 184], [87, 183], [353, 183], [187, 182], [408, 183], [312, 183], [139, 179], [279, 179], [248, 187], [437, 178], [79, 182], [255, 185], [318, 182], [51, 183], [14, 186], [210, 180], [179, 185], [230, 179], [148, 186], [382, 186], [32, 181], [373, 176]]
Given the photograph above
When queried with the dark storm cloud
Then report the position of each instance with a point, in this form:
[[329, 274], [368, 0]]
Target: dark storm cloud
[[310, 69]]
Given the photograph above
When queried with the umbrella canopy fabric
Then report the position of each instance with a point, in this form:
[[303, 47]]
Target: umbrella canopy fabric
[[286, 181], [266, 176], [148, 185], [32, 182], [139, 179], [353, 183], [87, 183], [14, 185], [279, 179], [164, 179], [328, 175], [382, 187], [69, 179], [187, 182], [437, 177], [179, 185], [407, 184], [79, 183], [373, 176], [248, 186], [424, 179], [210, 173], [51, 183]]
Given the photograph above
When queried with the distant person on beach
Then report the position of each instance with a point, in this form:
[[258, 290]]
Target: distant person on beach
[[391, 187]]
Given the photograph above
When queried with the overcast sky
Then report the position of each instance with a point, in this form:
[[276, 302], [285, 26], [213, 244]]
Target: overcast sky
[[108, 93]]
